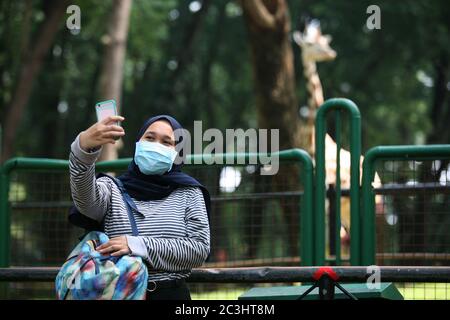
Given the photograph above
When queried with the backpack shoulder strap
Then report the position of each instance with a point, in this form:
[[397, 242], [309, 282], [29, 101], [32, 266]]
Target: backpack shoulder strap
[[128, 201]]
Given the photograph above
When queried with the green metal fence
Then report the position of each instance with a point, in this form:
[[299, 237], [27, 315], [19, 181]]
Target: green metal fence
[[415, 191], [410, 225], [256, 220]]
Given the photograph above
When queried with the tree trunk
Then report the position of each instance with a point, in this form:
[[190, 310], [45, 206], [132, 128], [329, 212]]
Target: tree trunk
[[439, 115], [440, 105], [30, 69], [273, 68], [112, 70]]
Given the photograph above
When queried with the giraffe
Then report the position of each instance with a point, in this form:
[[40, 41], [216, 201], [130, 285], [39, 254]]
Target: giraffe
[[315, 47]]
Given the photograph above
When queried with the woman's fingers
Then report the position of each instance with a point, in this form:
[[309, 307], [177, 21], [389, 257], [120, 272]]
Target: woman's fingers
[[110, 119], [120, 253], [107, 130], [112, 135], [115, 244], [115, 251], [111, 248], [105, 245], [111, 132], [114, 128], [109, 137], [103, 132]]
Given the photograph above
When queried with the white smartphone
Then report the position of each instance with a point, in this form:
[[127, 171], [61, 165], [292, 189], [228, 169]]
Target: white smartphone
[[105, 109]]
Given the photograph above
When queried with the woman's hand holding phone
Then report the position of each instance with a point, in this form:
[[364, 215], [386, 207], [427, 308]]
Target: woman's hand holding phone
[[102, 132]]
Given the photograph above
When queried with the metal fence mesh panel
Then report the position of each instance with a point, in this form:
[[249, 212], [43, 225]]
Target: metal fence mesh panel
[[255, 219], [413, 220], [40, 232], [254, 222]]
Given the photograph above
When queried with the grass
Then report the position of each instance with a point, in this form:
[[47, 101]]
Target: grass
[[218, 295], [425, 291], [410, 291]]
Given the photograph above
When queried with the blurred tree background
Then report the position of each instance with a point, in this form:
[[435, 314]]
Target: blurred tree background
[[192, 59]]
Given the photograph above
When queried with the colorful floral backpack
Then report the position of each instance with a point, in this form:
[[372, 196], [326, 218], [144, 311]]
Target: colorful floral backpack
[[89, 275]]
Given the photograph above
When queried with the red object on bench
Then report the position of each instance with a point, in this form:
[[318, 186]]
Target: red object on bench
[[325, 270]]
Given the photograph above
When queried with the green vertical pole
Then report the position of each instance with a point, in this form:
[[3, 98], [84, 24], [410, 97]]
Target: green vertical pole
[[338, 189], [319, 201], [306, 218], [368, 209], [355, 156], [355, 151], [4, 219]]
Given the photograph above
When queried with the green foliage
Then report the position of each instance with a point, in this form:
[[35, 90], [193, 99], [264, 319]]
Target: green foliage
[[380, 69], [209, 76]]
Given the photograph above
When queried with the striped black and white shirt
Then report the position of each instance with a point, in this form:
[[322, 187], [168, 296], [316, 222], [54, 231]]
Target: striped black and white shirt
[[173, 232]]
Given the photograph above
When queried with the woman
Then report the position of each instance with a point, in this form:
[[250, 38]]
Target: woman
[[173, 217]]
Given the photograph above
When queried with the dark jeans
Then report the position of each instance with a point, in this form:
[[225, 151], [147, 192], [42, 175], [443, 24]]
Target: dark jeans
[[168, 291]]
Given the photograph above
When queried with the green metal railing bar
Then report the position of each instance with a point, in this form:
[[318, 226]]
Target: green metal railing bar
[[262, 274], [405, 153]]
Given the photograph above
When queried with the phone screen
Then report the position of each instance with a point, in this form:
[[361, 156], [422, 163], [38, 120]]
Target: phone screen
[[106, 113], [105, 109]]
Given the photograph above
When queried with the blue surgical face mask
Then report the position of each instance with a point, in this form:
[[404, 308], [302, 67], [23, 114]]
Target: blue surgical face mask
[[153, 157]]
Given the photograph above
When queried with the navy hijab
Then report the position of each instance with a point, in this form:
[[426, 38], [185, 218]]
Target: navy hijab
[[154, 187]]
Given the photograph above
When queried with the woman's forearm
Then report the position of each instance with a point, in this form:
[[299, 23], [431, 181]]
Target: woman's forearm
[[169, 254], [91, 196]]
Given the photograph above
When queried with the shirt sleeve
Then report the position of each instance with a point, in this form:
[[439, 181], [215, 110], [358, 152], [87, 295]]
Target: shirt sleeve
[[91, 196], [178, 254]]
